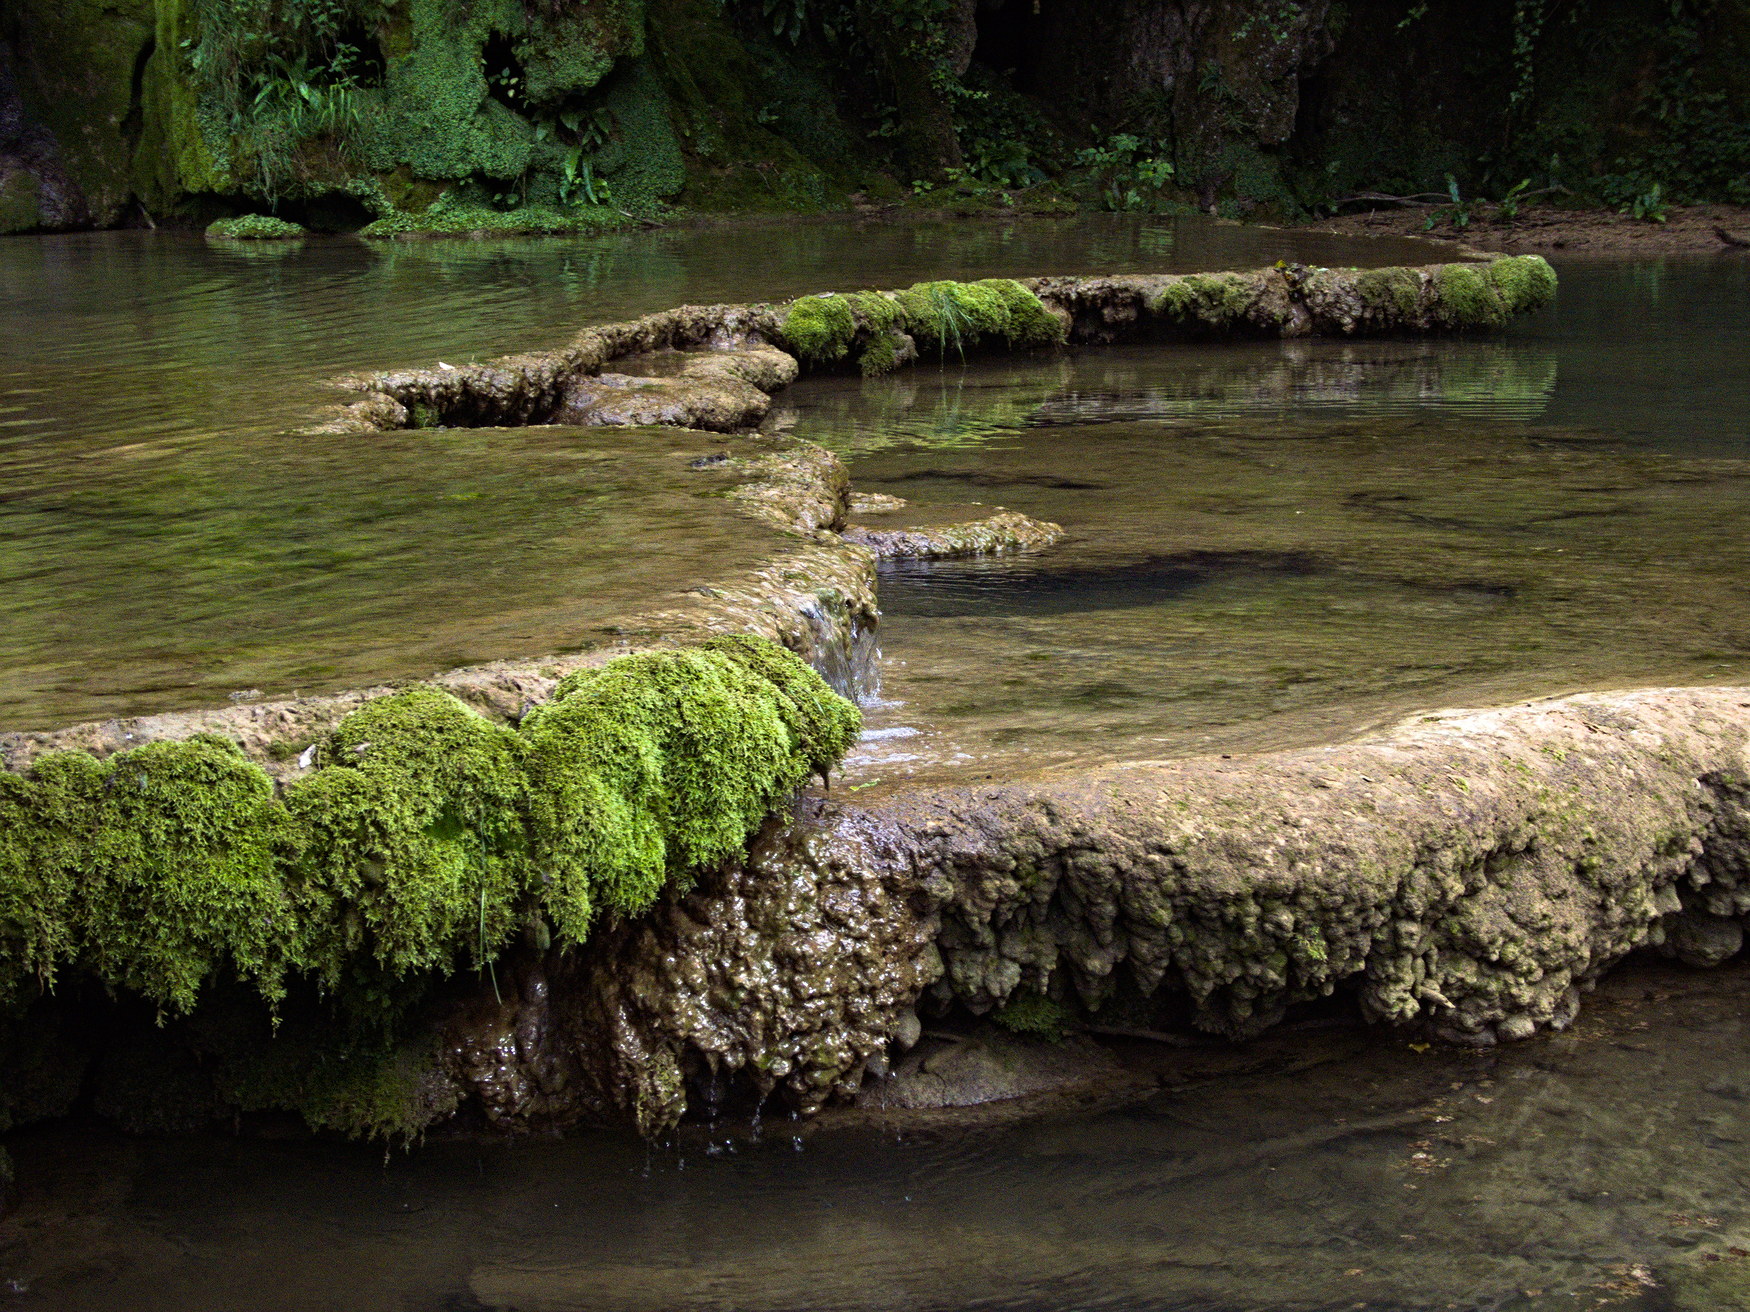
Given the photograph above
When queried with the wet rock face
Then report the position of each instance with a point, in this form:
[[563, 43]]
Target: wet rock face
[[35, 191], [1698, 939], [1112, 53], [780, 979], [1470, 873], [718, 391]]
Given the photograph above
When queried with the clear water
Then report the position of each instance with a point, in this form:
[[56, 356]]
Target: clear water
[[173, 573], [1308, 1172], [164, 542], [1273, 544]]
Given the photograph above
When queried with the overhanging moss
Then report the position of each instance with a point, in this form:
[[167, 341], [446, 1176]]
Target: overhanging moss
[[409, 847], [175, 868], [645, 772], [424, 838], [820, 329]]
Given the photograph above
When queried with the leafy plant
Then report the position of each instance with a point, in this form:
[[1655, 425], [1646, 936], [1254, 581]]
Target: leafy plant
[[1649, 205], [578, 184], [277, 75], [1458, 214], [1510, 204], [1133, 173], [1636, 195]]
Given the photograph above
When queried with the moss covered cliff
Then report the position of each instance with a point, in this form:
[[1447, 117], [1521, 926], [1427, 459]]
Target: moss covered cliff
[[571, 114]]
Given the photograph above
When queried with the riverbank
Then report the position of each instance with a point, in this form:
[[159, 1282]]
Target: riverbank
[[1686, 229]]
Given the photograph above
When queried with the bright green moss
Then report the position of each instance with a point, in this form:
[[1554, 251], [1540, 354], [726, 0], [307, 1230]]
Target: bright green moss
[[177, 872], [254, 227], [820, 329], [952, 316], [44, 824], [940, 316], [656, 765], [447, 218], [1026, 323], [881, 356], [411, 846], [426, 836], [1524, 282], [1393, 292], [1466, 297]]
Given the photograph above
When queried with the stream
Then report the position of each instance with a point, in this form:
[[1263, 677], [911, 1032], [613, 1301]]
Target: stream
[[1268, 544], [166, 543]]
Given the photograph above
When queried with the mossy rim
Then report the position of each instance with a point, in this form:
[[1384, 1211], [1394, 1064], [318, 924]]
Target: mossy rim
[[425, 837]]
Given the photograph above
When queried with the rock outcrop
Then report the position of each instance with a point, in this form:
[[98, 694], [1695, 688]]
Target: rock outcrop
[[994, 535], [1469, 874], [738, 346]]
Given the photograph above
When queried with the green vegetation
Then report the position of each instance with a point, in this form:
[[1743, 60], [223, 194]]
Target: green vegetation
[[1037, 1015], [940, 317], [1457, 296], [444, 218], [192, 107], [641, 774], [1488, 295], [254, 227], [426, 836], [1214, 300]]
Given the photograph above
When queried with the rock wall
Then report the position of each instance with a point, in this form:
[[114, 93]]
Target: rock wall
[[449, 116]]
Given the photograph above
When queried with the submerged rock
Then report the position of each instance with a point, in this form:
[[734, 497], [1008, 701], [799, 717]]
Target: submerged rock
[[1698, 939], [991, 1067], [718, 391], [1002, 532], [875, 503]]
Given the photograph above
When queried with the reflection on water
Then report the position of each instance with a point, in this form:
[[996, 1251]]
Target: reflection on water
[[163, 543], [1465, 527], [1311, 1171]]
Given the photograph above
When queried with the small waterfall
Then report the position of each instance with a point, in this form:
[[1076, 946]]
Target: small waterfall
[[843, 643]]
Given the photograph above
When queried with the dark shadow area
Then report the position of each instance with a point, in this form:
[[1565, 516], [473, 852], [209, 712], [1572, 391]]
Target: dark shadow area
[[997, 587]]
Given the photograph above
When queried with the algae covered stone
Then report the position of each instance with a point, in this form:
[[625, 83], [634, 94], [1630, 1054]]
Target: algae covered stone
[[254, 227], [882, 330]]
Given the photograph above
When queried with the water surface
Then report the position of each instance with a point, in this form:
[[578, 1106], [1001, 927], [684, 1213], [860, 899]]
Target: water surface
[[164, 541], [1313, 1171], [1281, 543]]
